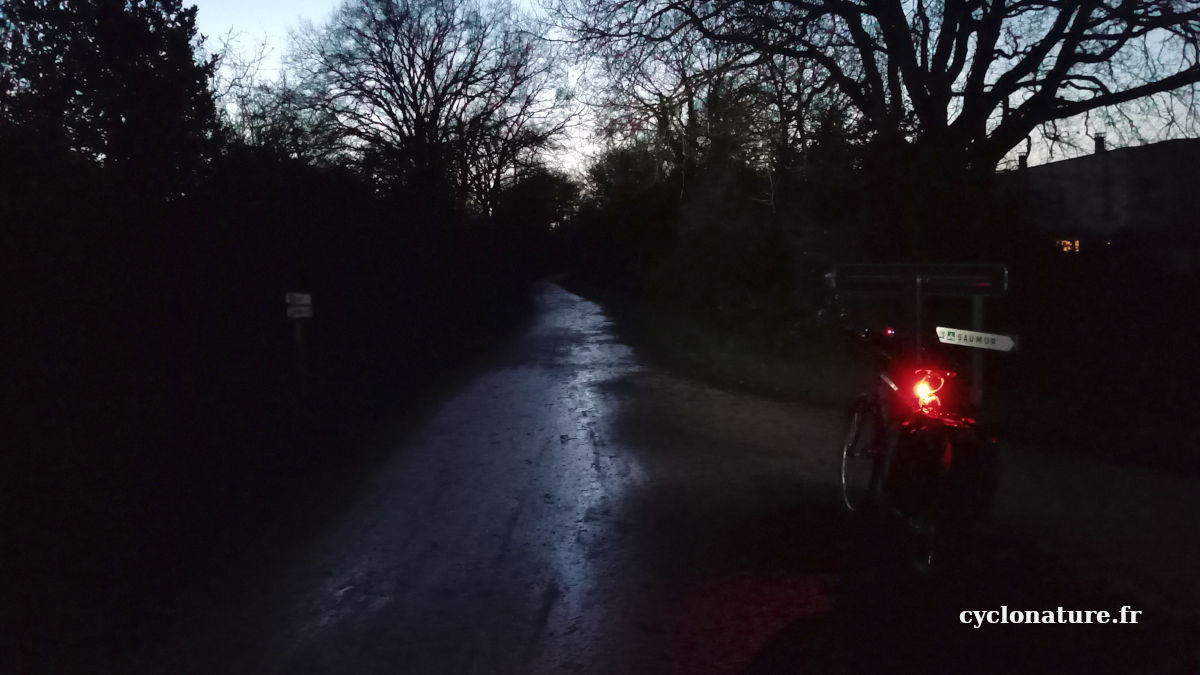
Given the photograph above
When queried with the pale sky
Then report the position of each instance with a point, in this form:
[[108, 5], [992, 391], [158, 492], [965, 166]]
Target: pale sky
[[258, 21]]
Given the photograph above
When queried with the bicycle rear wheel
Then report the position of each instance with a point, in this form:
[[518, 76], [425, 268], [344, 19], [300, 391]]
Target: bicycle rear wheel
[[937, 534], [860, 455]]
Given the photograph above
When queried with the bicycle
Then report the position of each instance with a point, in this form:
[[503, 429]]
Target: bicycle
[[913, 453]]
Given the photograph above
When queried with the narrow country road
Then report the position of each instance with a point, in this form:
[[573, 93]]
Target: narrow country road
[[571, 510]]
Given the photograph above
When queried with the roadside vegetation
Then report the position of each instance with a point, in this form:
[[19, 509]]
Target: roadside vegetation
[[165, 421], [158, 198], [745, 150]]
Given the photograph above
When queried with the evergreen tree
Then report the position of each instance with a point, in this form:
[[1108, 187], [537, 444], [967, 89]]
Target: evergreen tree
[[116, 81]]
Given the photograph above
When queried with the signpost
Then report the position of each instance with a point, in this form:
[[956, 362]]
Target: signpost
[[970, 338], [299, 306], [975, 281], [953, 279]]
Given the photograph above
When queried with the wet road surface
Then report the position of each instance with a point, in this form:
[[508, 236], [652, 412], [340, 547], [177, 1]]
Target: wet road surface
[[571, 510]]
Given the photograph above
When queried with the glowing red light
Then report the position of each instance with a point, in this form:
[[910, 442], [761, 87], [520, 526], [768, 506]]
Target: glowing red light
[[926, 389], [889, 331]]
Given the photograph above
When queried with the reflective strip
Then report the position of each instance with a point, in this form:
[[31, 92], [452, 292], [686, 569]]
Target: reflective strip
[[889, 382]]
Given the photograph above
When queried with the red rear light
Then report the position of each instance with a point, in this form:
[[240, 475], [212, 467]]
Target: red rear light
[[889, 331], [924, 392], [926, 389]]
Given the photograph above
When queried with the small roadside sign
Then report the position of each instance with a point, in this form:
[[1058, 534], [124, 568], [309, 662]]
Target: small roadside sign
[[971, 338], [299, 305]]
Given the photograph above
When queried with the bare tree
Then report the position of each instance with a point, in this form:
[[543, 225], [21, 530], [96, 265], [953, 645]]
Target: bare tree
[[945, 88], [695, 101], [438, 96], [803, 104], [666, 96], [270, 114], [971, 77]]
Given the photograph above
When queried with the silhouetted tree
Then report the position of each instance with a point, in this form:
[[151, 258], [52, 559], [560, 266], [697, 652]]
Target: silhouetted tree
[[271, 115], [442, 97], [116, 81], [541, 201], [945, 88], [697, 101], [529, 213]]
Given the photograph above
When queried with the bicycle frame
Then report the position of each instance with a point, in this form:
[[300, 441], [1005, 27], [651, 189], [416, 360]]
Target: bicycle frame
[[935, 469]]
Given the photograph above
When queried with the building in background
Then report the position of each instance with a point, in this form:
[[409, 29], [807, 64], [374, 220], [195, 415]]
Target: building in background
[[1142, 202]]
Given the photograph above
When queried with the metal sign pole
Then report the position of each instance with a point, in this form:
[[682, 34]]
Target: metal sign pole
[[300, 308], [940, 279], [301, 370], [918, 318], [977, 356]]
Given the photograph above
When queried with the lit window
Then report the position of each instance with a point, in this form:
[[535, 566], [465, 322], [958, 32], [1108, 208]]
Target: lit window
[[1067, 245]]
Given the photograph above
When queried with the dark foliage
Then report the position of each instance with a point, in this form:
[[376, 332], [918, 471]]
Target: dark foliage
[[712, 246], [157, 399], [115, 82]]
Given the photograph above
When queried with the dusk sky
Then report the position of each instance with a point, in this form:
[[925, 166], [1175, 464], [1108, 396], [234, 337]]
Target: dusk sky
[[258, 20], [254, 22]]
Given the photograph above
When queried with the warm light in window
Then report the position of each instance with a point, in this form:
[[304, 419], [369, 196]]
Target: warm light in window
[[1067, 245]]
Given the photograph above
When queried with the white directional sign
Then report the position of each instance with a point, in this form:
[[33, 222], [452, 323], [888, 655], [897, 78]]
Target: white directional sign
[[971, 338], [299, 305]]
